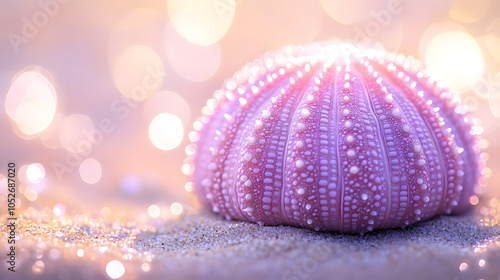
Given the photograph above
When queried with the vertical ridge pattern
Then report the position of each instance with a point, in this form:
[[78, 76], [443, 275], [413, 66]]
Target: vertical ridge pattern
[[329, 136]]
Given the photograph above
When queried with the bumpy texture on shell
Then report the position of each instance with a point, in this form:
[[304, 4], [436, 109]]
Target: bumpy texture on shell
[[328, 136]]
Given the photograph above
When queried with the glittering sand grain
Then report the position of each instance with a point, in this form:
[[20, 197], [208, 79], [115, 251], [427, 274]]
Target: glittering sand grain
[[203, 245]]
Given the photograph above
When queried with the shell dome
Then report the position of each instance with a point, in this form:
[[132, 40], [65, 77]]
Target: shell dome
[[331, 136]]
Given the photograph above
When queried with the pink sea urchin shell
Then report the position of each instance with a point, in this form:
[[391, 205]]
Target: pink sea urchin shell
[[329, 136]]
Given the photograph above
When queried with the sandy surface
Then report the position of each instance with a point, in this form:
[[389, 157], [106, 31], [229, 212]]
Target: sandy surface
[[206, 246]]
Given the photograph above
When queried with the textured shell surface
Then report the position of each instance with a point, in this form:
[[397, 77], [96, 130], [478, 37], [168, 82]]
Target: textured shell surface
[[334, 137]]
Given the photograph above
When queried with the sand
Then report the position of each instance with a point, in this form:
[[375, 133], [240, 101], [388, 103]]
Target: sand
[[206, 244], [203, 245]]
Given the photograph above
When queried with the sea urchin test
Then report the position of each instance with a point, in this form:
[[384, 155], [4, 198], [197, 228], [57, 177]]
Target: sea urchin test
[[329, 136]]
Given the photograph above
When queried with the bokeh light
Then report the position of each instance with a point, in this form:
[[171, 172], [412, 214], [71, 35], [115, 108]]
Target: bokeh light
[[31, 102], [344, 11], [469, 11], [55, 254], [59, 210], [154, 211], [38, 267], [167, 102], [21, 173], [138, 26], [115, 269], [494, 95], [456, 58], [166, 131], [492, 38], [138, 72], [176, 208], [34, 177], [201, 22], [50, 136], [31, 195], [80, 253], [35, 173], [105, 212], [146, 267], [188, 186], [191, 61], [90, 171], [77, 134], [131, 184], [493, 45], [279, 23], [463, 266]]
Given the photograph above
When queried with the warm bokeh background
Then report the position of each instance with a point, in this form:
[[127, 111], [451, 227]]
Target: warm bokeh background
[[98, 97]]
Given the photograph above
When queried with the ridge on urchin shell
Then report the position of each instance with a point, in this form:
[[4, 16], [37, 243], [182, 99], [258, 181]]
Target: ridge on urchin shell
[[329, 136]]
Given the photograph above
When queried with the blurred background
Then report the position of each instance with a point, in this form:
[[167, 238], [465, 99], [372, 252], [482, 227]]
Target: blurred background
[[98, 97]]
